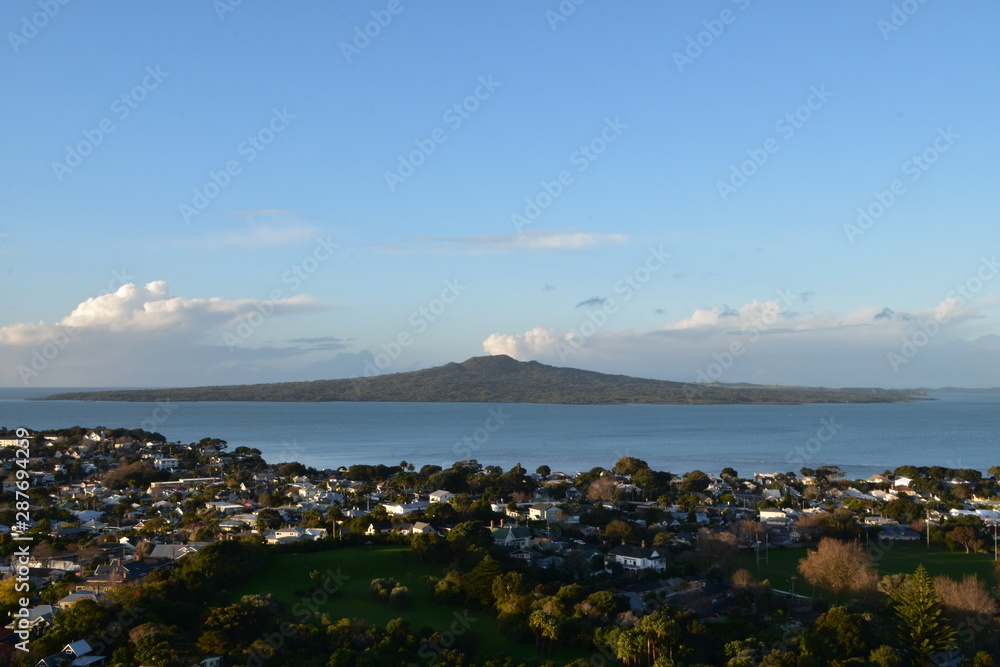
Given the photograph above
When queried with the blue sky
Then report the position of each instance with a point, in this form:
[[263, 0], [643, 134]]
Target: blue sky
[[209, 192]]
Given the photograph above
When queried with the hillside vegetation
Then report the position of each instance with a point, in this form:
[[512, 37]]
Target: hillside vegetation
[[501, 379]]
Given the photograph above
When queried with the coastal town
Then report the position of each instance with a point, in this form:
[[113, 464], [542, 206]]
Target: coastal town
[[613, 565]]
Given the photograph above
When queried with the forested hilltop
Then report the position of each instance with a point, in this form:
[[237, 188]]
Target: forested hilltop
[[501, 379]]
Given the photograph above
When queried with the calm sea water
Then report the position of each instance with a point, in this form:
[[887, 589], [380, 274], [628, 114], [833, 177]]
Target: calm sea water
[[957, 430]]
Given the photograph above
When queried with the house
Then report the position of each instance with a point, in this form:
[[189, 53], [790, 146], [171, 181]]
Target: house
[[71, 599], [441, 496], [544, 512], [76, 654], [175, 551], [166, 464], [39, 618], [376, 527], [507, 536], [422, 527], [405, 508], [898, 534], [285, 535], [635, 558], [116, 573], [774, 517]]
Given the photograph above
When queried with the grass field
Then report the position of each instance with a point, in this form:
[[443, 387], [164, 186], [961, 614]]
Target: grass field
[[897, 558], [285, 574]]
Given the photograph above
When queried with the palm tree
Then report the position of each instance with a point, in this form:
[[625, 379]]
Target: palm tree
[[630, 644], [546, 626], [662, 633]]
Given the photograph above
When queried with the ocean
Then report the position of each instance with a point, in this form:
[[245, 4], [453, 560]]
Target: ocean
[[956, 431]]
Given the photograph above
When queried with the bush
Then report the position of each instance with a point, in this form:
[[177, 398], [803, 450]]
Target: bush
[[382, 588], [399, 597]]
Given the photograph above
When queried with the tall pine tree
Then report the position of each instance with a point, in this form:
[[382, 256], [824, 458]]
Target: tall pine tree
[[923, 627]]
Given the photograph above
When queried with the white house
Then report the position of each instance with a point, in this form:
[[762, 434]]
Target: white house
[[166, 464], [638, 558], [544, 512], [405, 508], [441, 496]]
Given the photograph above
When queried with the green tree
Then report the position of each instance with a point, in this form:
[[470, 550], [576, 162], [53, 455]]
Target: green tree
[[629, 465], [268, 519], [922, 626], [478, 584], [695, 481], [838, 632]]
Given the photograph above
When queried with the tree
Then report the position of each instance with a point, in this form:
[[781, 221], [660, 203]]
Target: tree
[[618, 530], [695, 482], [628, 465], [268, 519], [543, 471], [603, 489], [546, 626], [470, 536], [922, 625], [478, 584], [509, 592], [965, 600], [729, 473], [838, 632], [965, 536], [662, 633], [839, 567], [715, 550]]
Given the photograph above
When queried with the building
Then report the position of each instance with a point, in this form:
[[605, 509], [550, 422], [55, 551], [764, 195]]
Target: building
[[635, 558]]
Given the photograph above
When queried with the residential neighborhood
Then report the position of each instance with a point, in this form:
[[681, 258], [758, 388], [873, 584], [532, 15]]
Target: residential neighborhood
[[111, 509]]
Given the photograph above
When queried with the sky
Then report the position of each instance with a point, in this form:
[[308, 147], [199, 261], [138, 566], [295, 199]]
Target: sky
[[222, 192]]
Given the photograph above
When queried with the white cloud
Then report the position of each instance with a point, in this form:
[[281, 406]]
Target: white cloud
[[538, 342], [137, 335], [540, 239], [766, 342]]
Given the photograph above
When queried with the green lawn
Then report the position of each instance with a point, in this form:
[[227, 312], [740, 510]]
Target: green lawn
[[286, 573], [897, 558]]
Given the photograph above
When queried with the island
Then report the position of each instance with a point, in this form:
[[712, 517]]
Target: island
[[502, 379]]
